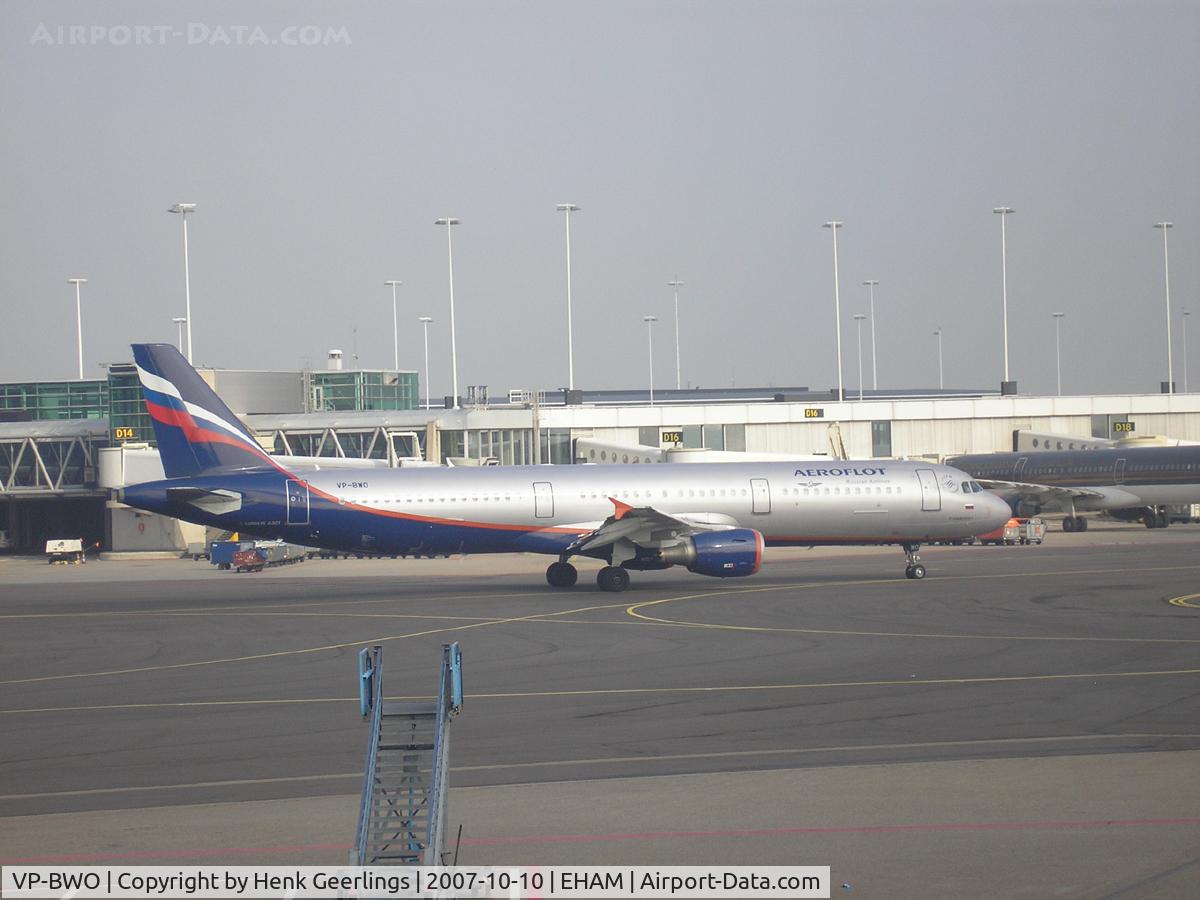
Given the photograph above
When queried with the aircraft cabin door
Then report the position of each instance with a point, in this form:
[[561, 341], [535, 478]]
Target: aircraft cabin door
[[297, 502], [931, 494], [1019, 468], [760, 492], [1119, 471], [543, 500]]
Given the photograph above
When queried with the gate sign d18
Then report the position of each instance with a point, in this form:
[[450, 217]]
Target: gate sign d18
[[1122, 427]]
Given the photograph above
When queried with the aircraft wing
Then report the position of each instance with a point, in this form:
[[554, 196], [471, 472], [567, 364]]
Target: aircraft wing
[[647, 527], [1039, 491]]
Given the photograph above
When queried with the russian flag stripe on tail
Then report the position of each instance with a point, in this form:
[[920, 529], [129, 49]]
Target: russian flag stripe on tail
[[196, 431]]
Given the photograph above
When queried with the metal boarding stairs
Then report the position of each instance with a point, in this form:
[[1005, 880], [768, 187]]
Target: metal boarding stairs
[[401, 819]]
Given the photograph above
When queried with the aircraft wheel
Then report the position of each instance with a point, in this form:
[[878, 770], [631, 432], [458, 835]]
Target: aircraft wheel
[[1080, 523], [916, 571], [1069, 523], [613, 579], [561, 575], [1164, 519]]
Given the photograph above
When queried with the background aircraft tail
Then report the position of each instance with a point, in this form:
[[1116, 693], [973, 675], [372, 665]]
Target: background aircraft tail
[[196, 431]]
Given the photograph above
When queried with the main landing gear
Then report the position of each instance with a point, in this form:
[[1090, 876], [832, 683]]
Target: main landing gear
[[613, 579], [564, 575], [561, 575], [1157, 517], [914, 569], [1074, 523]]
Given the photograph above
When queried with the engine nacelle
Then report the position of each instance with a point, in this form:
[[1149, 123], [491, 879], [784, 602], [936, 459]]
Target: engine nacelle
[[1025, 509], [723, 554]]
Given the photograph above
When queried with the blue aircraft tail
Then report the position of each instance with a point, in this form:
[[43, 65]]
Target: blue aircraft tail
[[196, 431]]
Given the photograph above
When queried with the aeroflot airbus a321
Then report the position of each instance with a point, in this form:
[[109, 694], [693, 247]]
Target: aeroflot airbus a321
[[714, 519]]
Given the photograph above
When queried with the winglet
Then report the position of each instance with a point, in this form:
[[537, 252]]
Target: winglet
[[619, 507]]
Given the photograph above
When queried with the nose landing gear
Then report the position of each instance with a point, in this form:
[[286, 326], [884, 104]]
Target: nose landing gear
[[914, 569]]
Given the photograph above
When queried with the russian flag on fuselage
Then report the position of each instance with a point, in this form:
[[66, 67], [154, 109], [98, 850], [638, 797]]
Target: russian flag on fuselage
[[196, 431]]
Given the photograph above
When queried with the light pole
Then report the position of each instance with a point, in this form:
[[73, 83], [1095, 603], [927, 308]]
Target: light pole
[[425, 320], [858, 318], [448, 222], [182, 209], [78, 320], [1004, 212], [650, 320], [676, 284], [566, 209], [1058, 350], [1186, 313], [941, 378], [179, 320], [1167, 282], [837, 306], [395, 326], [870, 283]]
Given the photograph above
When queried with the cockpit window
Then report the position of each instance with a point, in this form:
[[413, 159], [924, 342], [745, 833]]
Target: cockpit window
[[967, 487], [976, 487]]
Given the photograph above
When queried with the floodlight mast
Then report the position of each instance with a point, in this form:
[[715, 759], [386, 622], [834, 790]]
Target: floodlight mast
[[1004, 212], [650, 320], [182, 209], [871, 282], [837, 306], [395, 325], [1167, 286], [567, 209], [78, 320], [449, 221]]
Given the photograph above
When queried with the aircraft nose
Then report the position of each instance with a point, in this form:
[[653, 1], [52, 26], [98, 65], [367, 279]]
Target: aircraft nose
[[997, 510]]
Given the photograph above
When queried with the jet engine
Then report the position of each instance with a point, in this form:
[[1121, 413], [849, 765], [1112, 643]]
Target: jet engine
[[722, 554], [1025, 509]]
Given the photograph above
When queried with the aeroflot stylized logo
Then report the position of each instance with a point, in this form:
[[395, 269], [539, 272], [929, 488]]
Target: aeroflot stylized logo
[[825, 473]]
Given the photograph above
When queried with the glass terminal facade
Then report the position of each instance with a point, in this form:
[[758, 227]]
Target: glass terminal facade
[[340, 391], [118, 398], [53, 400]]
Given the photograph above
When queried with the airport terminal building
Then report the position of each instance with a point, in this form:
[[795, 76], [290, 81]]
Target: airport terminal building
[[55, 435]]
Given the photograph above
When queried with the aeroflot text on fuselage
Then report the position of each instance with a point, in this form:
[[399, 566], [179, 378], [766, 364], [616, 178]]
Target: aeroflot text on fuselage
[[819, 473]]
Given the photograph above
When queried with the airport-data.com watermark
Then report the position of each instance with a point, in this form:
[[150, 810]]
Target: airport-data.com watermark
[[193, 34]]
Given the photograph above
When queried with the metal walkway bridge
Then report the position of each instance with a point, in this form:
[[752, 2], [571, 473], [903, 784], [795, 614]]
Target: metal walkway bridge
[[401, 817]]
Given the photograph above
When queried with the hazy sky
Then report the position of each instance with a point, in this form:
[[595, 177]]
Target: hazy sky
[[707, 140]]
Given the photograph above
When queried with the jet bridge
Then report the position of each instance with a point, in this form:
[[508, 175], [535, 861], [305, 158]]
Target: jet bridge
[[401, 818]]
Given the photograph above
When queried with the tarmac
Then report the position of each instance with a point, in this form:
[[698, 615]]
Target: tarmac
[[1021, 723]]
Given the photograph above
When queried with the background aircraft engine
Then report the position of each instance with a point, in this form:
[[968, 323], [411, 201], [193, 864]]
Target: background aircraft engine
[[1025, 509], [722, 554]]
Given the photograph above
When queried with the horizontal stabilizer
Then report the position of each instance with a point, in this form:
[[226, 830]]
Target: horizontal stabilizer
[[216, 502]]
